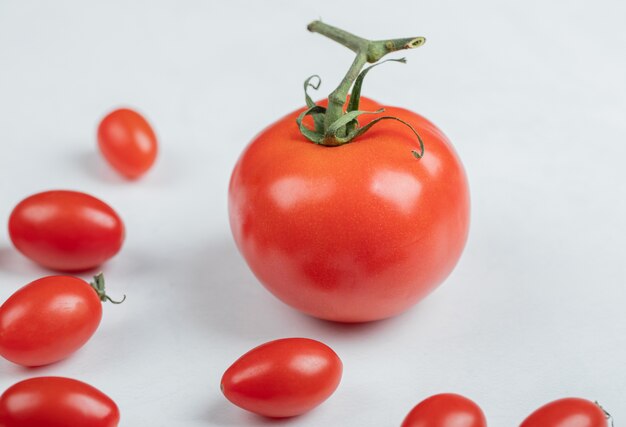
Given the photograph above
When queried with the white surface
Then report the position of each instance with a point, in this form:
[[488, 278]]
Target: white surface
[[532, 94]]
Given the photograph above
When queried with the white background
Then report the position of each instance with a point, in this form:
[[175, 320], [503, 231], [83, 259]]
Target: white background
[[532, 94]]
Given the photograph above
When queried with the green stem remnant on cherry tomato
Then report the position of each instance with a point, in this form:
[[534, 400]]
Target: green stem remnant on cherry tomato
[[606, 413], [49, 319], [98, 286], [56, 402], [332, 126]]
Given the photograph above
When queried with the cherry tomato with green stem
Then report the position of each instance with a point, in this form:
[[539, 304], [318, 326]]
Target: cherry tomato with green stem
[[56, 402], [127, 142], [568, 412], [50, 318], [66, 230], [446, 410], [283, 378]]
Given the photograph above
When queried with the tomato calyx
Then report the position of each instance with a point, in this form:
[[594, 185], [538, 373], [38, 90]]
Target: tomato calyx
[[608, 416], [98, 286], [333, 126]]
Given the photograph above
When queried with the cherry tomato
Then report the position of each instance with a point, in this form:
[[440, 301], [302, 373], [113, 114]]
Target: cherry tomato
[[568, 412], [49, 319], [66, 230], [446, 410], [127, 142], [56, 402], [283, 378], [351, 233]]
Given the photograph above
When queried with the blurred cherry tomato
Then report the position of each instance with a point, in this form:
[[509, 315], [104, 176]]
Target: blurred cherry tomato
[[283, 378], [49, 319], [56, 402], [127, 142], [446, 410], [66, 230], [568, 412]]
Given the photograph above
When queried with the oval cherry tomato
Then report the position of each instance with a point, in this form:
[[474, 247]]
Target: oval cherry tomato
[[351, 233], [446, 410], [49, 319], [56, 402], [568, 412], [283, 378], [66, 230], [127, 142]]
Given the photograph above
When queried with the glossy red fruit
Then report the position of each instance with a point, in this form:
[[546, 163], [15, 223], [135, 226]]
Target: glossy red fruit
[[356, 232], [127, 142], [49, 319], [568, 412], [283, 378], [56, 402], [66, 230], [446, 410]]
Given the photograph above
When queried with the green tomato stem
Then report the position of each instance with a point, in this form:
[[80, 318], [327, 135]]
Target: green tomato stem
[[98, 286], [366, 51]]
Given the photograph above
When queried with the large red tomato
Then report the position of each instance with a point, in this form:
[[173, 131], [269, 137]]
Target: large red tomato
[[66, 230], [355, 232], [56, 402]]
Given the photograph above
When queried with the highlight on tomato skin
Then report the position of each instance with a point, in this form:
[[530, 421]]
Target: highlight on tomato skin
[[446, 410], [568, 411], [66, 230], [127, 142], [283, 378], [56, 402]]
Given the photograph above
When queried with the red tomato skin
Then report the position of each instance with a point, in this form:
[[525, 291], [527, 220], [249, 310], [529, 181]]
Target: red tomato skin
[[48, 319], [353, 233], [66, 230], [567, 412], [127, 142], [446, 410], [283, 378], [56, 402]]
